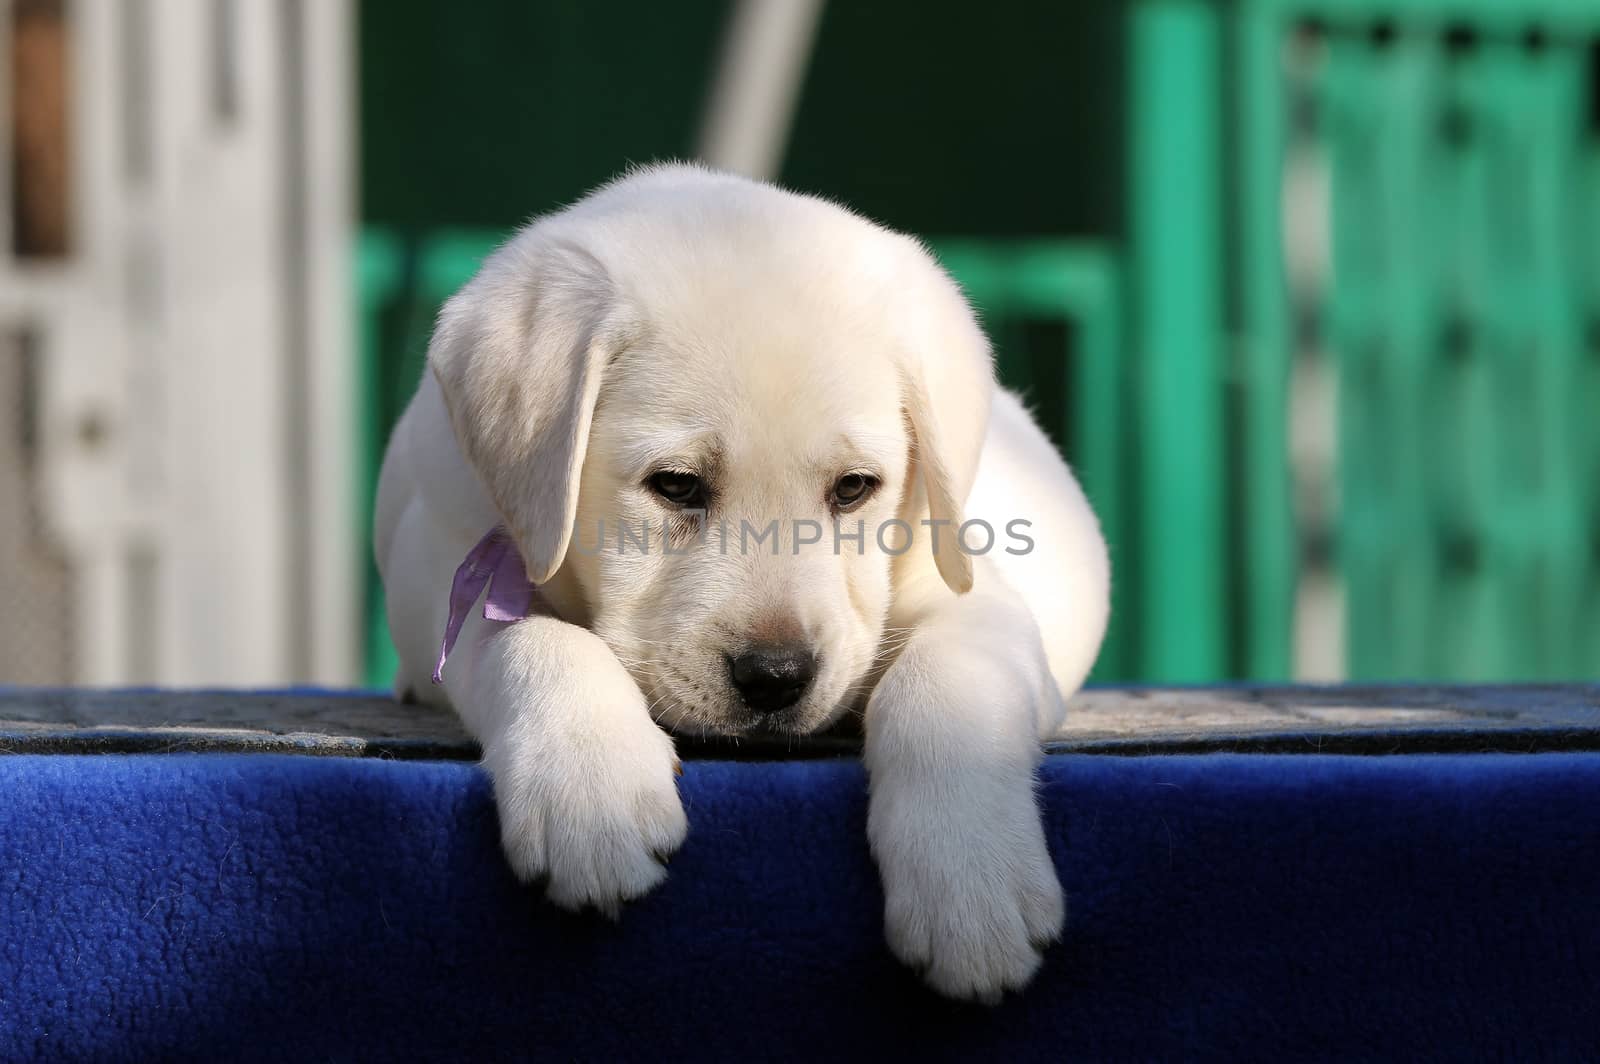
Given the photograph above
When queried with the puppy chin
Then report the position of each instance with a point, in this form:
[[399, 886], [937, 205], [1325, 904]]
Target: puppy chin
[[737, 722]]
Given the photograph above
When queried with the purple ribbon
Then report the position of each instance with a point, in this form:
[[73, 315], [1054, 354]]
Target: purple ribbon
[[494, 563]]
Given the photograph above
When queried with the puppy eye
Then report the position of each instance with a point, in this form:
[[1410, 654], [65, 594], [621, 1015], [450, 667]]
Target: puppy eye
[[680, 489], [851, 490]]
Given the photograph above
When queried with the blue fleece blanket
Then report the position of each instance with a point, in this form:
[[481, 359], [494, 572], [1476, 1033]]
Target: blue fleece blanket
[[242, 907]]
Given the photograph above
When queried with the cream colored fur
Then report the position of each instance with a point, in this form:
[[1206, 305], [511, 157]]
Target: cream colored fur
[[770, 343]]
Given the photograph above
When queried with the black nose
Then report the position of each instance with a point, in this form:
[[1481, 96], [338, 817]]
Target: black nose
[[770, 678]]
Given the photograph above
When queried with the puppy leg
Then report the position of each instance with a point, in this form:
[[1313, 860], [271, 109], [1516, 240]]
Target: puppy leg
[[971, 896], [584, 781]]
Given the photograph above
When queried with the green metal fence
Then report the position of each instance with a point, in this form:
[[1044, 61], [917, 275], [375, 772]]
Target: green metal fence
[[1460, 315], [1443, 290], [1469, 472]]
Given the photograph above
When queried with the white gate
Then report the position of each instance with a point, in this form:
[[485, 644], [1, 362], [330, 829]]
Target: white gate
[[177, 492]]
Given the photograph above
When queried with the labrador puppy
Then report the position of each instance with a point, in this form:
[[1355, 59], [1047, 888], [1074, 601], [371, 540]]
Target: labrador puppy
[[841, 514]]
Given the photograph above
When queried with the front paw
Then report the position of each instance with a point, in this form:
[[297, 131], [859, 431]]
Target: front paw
[[971, 896], [594, 819]]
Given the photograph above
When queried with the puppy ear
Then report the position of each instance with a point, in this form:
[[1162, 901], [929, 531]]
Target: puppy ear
[[932, 461], [947, 375], [519, 354]]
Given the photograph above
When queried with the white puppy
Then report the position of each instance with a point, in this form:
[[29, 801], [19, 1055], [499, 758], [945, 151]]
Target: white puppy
[[798, 409]]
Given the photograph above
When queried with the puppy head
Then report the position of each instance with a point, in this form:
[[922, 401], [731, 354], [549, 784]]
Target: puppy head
[[711, 402]]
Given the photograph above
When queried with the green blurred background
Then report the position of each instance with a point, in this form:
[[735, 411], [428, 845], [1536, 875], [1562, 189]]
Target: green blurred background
[[1309, 293]]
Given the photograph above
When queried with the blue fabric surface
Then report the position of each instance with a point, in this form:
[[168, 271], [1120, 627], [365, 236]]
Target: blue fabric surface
[[1225, 907]]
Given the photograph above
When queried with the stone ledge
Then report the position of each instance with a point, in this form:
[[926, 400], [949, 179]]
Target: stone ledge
[[1244, 719]]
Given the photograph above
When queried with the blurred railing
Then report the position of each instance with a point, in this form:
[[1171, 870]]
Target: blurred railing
[[1426, 298]]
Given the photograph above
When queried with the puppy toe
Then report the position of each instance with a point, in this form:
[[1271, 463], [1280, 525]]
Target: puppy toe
[[524, 846], [663, 824], [1044, 910]]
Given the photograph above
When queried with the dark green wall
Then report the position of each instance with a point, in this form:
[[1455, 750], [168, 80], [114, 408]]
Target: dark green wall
[[484, 114], [947, 117], [939, 117]]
